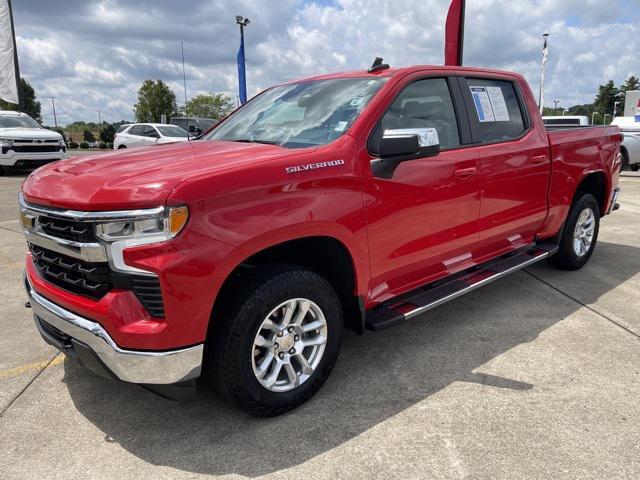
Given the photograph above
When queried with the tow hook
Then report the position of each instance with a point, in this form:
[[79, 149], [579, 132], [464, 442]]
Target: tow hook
[[27, 304]]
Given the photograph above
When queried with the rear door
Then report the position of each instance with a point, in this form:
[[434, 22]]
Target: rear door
[[422, 214], [514, 163]]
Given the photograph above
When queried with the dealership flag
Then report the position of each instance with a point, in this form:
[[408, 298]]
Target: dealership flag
[[545, 57], [242, 79], [9, 76], [454, 34]]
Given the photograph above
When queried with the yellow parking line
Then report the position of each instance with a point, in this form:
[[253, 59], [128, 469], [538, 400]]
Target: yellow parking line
[[30, 367]]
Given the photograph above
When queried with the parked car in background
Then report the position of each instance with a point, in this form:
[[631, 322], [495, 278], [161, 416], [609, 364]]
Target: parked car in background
[[25, 143], [195, 126], [145, 134], [630, 148], [566, 121]]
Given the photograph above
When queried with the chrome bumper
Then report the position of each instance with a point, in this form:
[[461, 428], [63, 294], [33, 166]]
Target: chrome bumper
[[145, 367]]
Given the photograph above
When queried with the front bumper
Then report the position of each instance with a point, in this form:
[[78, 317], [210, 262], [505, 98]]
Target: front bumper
[[26, 159], [74, 334]]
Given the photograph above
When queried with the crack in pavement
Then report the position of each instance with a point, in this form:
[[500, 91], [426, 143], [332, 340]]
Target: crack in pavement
[[626, 329]]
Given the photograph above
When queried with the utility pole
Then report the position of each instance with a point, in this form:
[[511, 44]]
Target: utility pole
[[53, 105], [99, 117], [545, 56], [184, 81]]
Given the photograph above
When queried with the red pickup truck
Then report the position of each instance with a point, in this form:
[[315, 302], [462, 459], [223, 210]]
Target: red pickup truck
[[357, 200]]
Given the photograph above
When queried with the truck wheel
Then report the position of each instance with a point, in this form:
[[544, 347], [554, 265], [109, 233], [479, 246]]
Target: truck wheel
[[580, 234], [625, 161], [277, 341]]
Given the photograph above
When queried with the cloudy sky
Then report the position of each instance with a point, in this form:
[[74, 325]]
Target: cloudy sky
[[93, 54]]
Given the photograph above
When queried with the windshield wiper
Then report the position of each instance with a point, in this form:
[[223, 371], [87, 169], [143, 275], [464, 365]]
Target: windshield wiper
[[252, 140]]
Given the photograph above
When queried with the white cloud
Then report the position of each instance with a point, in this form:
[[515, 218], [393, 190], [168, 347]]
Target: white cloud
[[93, 55]]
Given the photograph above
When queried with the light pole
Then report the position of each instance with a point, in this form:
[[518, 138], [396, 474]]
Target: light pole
[[564, 110], [604, 118], [99, 117], [242, 78], [545, 55], [555, 106], [593, 116], [53, 105], [615, 108]]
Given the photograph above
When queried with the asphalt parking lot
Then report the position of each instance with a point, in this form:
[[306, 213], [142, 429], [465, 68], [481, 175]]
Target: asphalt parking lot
[[536, 376]]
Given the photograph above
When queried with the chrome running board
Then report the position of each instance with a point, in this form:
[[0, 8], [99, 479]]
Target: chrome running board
[[417, 302]]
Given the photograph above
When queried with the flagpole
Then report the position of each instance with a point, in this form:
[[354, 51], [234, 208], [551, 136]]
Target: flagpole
[[545, 54], [15, 54]]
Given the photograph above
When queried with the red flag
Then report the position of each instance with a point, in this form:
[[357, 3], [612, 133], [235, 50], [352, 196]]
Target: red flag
[[454, 34]]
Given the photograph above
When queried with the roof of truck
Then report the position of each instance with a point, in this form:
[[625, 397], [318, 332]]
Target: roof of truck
[[402, 71]]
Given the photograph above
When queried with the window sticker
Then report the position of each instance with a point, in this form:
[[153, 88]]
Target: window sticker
[[490, 104], [500, 110], [340, 126]]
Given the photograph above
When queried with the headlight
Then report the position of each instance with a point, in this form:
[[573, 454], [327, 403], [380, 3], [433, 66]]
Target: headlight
[[123, 234], [6, 142]]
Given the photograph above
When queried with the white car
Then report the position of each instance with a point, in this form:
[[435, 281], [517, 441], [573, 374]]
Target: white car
[[144, 134], [630, 148], [24, 143]]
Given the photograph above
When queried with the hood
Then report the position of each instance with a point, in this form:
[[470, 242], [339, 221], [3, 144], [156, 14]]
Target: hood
[[29, 134], [137, 178]]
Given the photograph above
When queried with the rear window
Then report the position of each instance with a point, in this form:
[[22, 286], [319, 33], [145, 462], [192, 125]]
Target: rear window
[[495, 111], [122, 128]]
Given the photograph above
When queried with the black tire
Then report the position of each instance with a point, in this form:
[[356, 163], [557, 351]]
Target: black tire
[[625, 161], [1, 171], [231, 345], [635, 167], [567, 258]]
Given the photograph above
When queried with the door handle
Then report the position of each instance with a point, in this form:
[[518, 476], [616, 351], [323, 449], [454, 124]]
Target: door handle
[[539, 159], [465, 172]]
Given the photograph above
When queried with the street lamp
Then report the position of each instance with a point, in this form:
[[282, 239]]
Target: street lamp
[[242, 79], [555, 106], [545, 56], [593, 117], [615, 108], [604, 118]]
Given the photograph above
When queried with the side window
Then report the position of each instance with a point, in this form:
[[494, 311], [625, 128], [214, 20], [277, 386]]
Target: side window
[[137, 130], [423, 104], [149, 131], [495, 114]]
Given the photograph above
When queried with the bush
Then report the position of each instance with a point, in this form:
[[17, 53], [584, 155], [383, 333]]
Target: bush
[[102, 146], [110, 145], [84, 145], [73, 145]]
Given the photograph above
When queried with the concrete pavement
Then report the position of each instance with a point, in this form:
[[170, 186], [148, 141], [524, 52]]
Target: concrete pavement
[[535, 376]]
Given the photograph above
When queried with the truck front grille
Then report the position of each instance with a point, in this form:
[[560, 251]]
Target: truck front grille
[[95, 280], [67, 229], [32, 148], [89, 279]]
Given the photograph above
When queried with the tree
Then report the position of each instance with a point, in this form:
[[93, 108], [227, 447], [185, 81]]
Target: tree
[[608, 94], [214, 106], [632, 83], [88, 136], [28, 103], [107, 133], [155, 99]]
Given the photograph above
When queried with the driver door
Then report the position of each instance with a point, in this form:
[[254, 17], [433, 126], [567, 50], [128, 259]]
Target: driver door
[[422, 218]]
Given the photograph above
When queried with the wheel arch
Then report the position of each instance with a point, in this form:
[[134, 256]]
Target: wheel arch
[[327, 255], [596, 184]]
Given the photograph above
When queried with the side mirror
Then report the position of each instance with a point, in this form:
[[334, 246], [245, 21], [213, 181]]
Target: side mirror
[[409, 143], [399, 145]]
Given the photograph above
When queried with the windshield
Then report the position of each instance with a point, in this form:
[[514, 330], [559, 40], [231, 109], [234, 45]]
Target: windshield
[[172, 131], [301, 114], [17, 121]]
